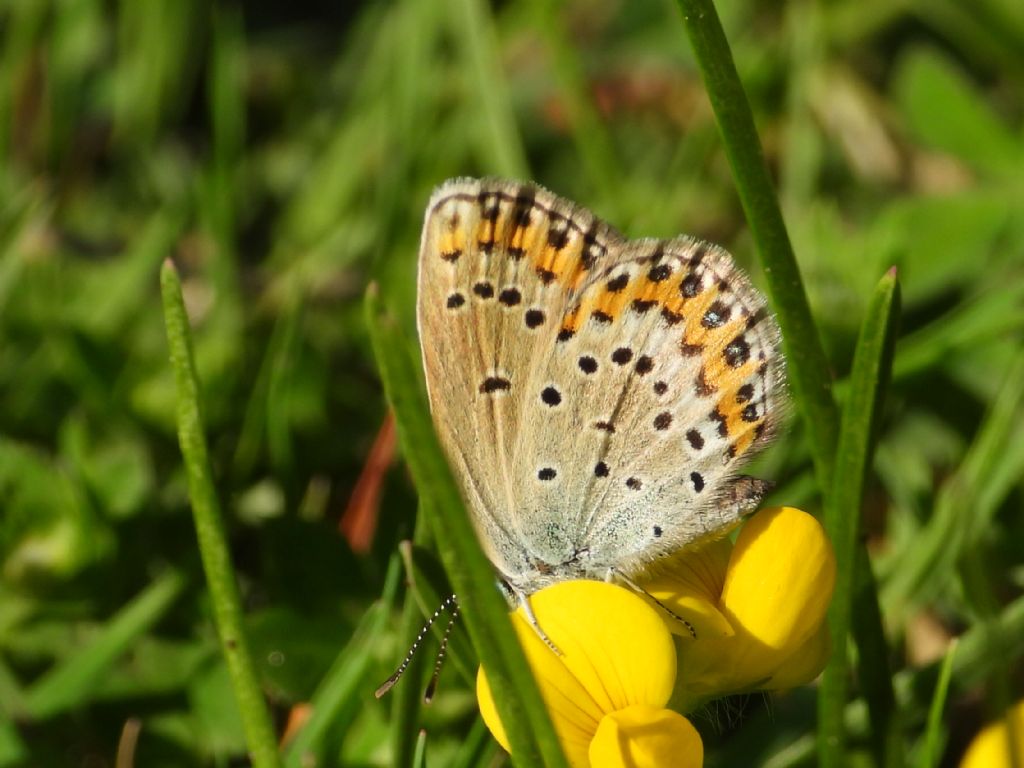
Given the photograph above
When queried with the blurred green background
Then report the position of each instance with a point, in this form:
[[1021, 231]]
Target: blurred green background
[[282, 156]]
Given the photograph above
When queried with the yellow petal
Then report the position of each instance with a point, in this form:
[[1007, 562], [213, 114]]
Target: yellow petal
[[573, 711], [611, 641], [780, 578], [646, 737], [991, 747], [689, 584], [805, 663], [615, 652], [488, 710], [708, 669], [777, 588]]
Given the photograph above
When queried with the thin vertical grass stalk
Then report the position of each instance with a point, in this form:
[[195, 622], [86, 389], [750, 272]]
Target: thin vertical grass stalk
[[501, 141], [346, 681], [873, 671], [872, 367], [405, 702], [808, 366], [934, 732], [809, 372], [220, 572], [522, 710]]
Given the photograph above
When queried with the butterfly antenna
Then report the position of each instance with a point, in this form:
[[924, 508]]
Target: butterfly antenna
[[388, 684], [636, 587], [428, 694]]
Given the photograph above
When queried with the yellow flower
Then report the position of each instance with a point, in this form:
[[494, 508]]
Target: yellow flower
[[991, 747], [607, 691], [757, 608]]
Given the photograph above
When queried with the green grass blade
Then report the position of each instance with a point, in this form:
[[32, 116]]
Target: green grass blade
[[213, 547], [406, 698], [809, 374], [522, 710], [976, 657], [502, 149], [73, 681], [419, 758], [934, 734], [874, 672], [967, 500], [345, 682], [13, 751], [477, 748], [12, 695], [589, 134], [872, 364]]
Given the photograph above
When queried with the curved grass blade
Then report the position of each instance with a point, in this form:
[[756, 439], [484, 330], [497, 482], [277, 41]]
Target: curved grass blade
[[808, 367], [406, 699], [935, 732], [872, 367], [978, 653], [344, 682], [213, 547], [421, 599], [72, 681], [500, 137], [522, 710], [967, 500]]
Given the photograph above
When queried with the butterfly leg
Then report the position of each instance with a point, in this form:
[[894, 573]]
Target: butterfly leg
[[524, 603], [615, 574]]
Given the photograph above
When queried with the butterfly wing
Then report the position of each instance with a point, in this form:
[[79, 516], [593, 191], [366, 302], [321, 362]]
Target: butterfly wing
[[672, 362], [596, 397], [500, 262]]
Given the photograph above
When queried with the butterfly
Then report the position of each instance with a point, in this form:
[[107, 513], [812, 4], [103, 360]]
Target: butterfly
[[595, 396]]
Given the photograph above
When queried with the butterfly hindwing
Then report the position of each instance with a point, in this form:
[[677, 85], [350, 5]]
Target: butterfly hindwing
[[685, 384]]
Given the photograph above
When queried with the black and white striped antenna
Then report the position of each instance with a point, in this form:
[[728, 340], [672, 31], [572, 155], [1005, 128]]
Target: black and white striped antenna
[[449, 602], [428, 694]]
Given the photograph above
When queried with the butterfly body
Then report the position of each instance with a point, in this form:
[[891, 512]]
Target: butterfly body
[[596, 396]]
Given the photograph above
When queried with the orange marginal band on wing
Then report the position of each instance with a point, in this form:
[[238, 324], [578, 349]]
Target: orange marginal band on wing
[[492, 230], [451, 242], [558, 260]]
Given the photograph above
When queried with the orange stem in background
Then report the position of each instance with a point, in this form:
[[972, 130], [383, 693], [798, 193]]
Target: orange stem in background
[[358, 524]]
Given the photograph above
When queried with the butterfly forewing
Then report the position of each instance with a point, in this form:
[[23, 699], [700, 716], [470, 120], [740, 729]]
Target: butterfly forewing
[[595, 396], [499, 263]]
